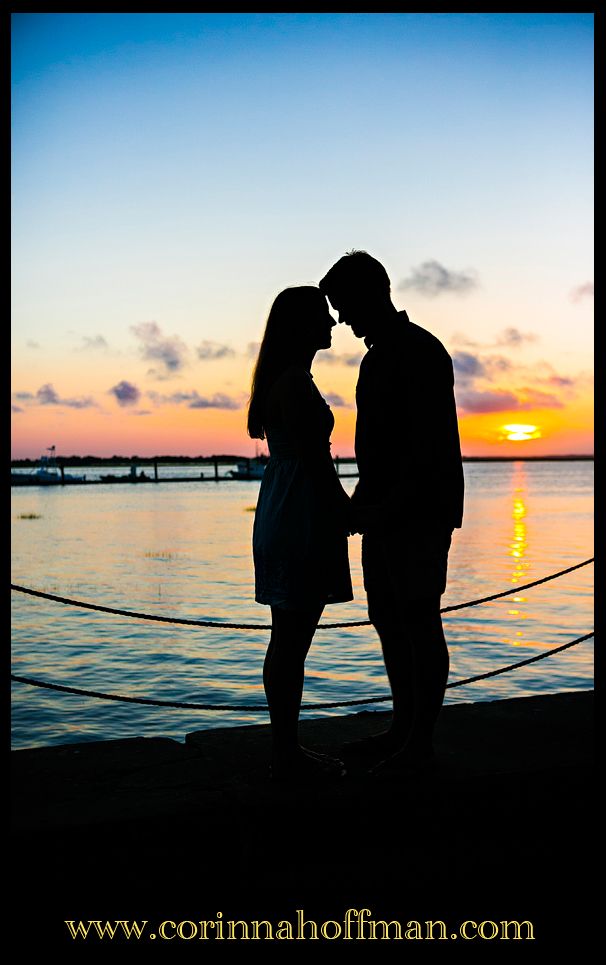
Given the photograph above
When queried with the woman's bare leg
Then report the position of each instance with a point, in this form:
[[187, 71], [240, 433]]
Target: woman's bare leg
[[284, 674]]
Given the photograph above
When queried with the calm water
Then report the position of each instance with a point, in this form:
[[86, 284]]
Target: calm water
[[184, 550]]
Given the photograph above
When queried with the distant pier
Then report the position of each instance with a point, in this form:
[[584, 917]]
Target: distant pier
[[137, 472]]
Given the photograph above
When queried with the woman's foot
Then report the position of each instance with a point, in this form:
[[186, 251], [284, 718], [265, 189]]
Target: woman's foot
[[407, 762], [306, 766], [377, 745]]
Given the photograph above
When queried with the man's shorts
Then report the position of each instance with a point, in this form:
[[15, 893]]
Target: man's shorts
[[403, 567]]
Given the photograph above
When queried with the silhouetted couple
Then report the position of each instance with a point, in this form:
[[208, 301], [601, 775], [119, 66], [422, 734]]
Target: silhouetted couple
[[407, 502]]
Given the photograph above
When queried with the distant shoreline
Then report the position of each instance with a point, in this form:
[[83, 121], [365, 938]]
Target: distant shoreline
[[90, 461]]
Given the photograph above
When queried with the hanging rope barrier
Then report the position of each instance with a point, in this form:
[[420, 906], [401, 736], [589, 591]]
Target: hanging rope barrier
[[263, 707], [261, 626]]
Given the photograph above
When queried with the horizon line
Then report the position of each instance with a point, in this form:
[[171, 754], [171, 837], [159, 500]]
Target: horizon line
[[230, 456]]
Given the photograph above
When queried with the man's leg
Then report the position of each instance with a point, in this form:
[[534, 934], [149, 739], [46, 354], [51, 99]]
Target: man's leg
[[430, 674]]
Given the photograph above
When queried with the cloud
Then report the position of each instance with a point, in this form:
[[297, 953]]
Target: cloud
[[467, 366], [508, 338], [559, 381], [24, 396], [252, 349], [92, 342], [218, 401], [531, 398], [513, 337], [472, 400], [214, 350], [16, 408], [46, 395], [333, 399], [500, 400], [582, 291], [194, 400], [125, 393], [331, 358], [431, 278], [459, 339], [478, 385], [32, 344], [171, 352]]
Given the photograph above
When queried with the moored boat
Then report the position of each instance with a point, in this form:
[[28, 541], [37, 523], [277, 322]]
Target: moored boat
[[250, 468], [47, 474]]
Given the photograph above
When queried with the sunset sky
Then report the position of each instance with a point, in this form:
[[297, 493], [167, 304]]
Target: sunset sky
[[171, 173]]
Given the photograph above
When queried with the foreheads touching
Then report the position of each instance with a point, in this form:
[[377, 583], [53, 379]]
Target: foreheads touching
[[358, 272]]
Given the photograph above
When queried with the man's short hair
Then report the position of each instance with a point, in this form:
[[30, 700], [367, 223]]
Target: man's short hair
[[356, 269]]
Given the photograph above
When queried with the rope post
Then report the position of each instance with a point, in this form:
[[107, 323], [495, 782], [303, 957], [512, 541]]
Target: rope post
[[216, 463], [62, 470], [156, 470]]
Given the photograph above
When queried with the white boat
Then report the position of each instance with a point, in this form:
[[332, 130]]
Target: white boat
[[47, 473], [250, 468]]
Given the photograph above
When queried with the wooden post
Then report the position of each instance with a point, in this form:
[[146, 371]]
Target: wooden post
[[62, 468], [337, 464], [156, 470], [216, 462]]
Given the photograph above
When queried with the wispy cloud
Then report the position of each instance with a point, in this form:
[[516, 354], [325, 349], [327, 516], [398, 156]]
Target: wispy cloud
[[509, 338], [326, 357], [499, 400], [513, 337], [217, 401], [46, 395], [531, 398], [214, 350], [336, 400], [479, 384], [582, 291], [125, 393], [252, 349], [458, 338], [169, 351], [32, 344], [94, 342], [193, 400], [16, 408], [474, 400], [467, 366], [431, 279]]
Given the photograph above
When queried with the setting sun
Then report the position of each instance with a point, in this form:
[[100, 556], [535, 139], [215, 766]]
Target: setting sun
[[519, 433]]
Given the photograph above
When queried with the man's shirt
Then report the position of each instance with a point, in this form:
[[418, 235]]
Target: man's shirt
[[407, 437]]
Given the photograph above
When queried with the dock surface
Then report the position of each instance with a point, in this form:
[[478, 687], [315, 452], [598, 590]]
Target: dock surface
[[503, 827]]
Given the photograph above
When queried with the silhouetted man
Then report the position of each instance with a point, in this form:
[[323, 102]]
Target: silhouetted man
[[408, 500]]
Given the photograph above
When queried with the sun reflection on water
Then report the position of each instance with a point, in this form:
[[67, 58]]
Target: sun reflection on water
[[518, 547]]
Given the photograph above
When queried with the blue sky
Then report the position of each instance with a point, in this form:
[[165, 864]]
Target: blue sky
[[181, 169]]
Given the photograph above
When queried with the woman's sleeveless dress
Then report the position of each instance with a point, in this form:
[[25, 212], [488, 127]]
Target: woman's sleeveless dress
[[299, 553]]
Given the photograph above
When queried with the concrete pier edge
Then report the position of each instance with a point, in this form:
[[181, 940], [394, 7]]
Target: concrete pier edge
[[138, 827]]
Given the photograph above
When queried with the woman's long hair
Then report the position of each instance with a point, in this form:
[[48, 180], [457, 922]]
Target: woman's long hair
[[286, 333]]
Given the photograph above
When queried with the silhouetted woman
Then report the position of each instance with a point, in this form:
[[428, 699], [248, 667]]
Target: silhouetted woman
[[303, 514]]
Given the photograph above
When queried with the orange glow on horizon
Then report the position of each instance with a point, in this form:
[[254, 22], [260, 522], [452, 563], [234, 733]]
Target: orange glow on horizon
[[179, 430]]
